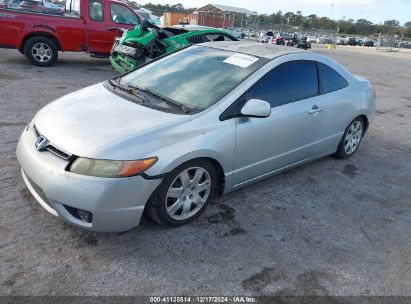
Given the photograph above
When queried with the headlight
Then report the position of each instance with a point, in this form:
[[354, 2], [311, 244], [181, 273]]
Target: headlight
[[111, 168]]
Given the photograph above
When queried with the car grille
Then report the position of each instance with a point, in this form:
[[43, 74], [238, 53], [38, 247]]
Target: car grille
[[39, 191], [52, 148], [58, 152]]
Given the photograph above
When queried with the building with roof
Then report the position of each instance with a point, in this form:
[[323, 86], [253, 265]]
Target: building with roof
[[219, 8], [219, 16]]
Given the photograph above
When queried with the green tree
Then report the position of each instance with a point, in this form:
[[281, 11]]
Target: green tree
[[288, 18], [363, 27], [391, 23]]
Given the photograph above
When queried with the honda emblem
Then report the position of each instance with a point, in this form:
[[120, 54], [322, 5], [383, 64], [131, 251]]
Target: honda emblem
[[41, 143]]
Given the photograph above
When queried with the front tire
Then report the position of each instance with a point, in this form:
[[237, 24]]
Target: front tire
[[183, 194], [41, 51], [351, 139]]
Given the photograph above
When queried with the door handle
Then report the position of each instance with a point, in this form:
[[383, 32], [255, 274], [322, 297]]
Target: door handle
[[315, 109]]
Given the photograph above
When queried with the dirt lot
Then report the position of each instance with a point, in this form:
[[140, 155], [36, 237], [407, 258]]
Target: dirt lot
[[328, 228]]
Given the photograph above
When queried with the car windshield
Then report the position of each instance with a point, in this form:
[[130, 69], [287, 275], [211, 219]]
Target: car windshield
[[196, 78]]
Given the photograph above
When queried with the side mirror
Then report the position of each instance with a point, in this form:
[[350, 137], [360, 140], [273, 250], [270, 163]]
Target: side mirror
[[256, 108]]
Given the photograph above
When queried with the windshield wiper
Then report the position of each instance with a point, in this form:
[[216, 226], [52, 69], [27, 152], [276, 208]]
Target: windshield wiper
[[129, 89], [132, 90], [167, 100]]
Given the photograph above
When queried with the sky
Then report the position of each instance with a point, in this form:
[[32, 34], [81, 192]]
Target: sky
[[374, 10]]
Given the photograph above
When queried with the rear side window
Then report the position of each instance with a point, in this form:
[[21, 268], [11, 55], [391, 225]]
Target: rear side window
[[95, 10], [73, 9], [218, 37], [330, 79], [287, 83], [201, 38]]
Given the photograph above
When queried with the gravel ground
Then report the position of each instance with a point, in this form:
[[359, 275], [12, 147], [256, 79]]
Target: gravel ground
[[332, 227]]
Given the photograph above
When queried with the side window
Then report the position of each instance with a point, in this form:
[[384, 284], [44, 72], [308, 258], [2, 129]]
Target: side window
[[121, 14], [330, 79], [73, 8], [286, 83], [95, 10], [218, 37], [76, 8]]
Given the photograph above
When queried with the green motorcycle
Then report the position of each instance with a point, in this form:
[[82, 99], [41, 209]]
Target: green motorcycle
[[147, 41]]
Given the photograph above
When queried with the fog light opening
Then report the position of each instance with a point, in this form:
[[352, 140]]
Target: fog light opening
[[84, 215], [80, 214]]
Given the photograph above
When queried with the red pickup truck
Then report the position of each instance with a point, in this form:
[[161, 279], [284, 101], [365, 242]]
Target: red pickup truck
[[86, 25]]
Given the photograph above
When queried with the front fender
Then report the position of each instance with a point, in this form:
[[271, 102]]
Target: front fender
[[217, 144], [225, 163]]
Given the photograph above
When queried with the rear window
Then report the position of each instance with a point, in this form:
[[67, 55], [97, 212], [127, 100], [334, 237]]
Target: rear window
[[330, 79]]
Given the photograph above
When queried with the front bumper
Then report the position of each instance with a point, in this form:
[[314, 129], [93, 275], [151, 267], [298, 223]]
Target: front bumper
[[122, 64], [116, 203], [125, 58]]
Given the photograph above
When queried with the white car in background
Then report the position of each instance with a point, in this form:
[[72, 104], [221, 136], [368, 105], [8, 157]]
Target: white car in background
[[312, 39], [235, 32], [148, 15]]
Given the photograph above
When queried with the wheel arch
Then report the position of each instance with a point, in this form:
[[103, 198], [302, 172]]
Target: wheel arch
[[220, 173], [213, 159], [39, 34], [365, 120]]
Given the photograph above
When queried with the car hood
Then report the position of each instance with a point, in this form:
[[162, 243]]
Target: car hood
[[85, 122]]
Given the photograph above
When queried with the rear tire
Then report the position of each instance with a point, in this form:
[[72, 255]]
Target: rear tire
[[41, 51], [351, 139], [184, 194]]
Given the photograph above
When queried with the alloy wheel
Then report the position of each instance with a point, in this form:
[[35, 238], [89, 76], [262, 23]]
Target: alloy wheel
[[41, 52], [188, 193], [353, 137]]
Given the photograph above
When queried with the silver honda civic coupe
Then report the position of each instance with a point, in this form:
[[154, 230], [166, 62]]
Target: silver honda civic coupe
[[168, 136]]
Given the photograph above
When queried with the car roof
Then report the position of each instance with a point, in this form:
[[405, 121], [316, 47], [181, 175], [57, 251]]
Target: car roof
[[268, 51]]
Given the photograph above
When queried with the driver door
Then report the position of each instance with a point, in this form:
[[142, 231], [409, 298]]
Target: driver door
[[287, 137], [97, 36]]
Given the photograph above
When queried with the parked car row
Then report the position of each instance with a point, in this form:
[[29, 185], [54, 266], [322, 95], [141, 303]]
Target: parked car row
[[289, 39], [404, 44], [38, 6], [357, 41]]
